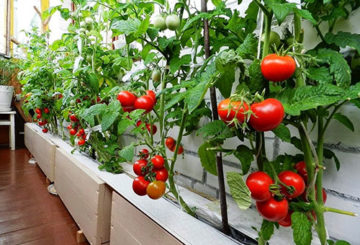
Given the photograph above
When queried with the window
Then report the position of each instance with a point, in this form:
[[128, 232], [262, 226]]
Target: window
[[4, 26]]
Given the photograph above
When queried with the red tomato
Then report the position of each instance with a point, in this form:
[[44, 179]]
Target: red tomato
[[170, 143], [290, 178], [151, 94], [38, 116], [259, 185], [46, 110], [84, 136], [69, 126], [73, 131], [161, 174], [143, 154], [98, 99], [81, 132], [139, 185], [73, 118], [278, 68], [156, 189], [273, 210], [267, 115], [301, 170], [154, 128], [78, 100], [128, 108], [139, 167], [38, 111], [158, 162], [126, 98], [324, 195], [45, 130], [286, 222], [229, 110], [139, 123], [81, 142], [144, 102], [180, 150]]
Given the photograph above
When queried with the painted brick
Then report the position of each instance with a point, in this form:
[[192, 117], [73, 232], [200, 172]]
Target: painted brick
[[205, 189]]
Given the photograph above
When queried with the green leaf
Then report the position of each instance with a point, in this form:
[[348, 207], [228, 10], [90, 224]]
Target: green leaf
[[305, 14], [207, 158], [89, 113], [338, 66], [217, 129], [256, 81], [176, 62], [123, 125], [342, 242], [343, 39], [248, 47], [127, 152], [126, 27], [198, 17], [330, 154], [246, 156], [238, 190], [320, 74], [281, 10], [196, 95], [344, 120], [108, 119], [267, 230], [93, 82], [283, 133], [301, 226]]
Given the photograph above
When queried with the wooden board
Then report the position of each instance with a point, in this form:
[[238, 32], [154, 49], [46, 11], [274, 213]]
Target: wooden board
[[42, 149], [130, 226], [87, 198]]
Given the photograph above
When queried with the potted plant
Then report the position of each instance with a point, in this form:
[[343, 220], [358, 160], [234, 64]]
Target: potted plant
[[7, 68]]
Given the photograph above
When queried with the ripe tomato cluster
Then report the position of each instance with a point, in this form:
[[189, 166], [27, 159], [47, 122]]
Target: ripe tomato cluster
[[42, 119], [130, 102], [265, 116], [152, 175], [272, 199], [170, 143], [74, 129]]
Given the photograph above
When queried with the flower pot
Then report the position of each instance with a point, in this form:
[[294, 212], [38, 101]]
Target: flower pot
[[6, 94]]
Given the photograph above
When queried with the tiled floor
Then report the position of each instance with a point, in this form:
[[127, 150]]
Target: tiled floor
[[28, 213]]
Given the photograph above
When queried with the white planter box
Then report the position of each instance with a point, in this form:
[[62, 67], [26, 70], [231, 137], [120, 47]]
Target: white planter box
[[131, 226], [6, 94], [85, 195], [42, 148]]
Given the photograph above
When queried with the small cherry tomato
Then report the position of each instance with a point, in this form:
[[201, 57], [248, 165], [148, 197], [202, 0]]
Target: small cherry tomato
[[286, 222], [156, 76], [45, 130], [267, 115], [161, 174], [38, 111], [153, 130], [143, 154], [151, 94], [170, 143], [259, 185], [38, 116], [180, 150], [84, 136], [172, 22], [98, 99], [144, 102], [228, 110], [73, 118], [73, 131], [46, 110], [273, 210], [139, 167], [278, 68], [293, 180], [301, 170], [139, 185], [156, 189], [158, 162], [159, 22], [126, 98], [69, 127], [81, 132], [128, 108], [81, 142]]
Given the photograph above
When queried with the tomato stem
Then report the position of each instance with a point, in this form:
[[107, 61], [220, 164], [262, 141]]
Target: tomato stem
[[339, 211]]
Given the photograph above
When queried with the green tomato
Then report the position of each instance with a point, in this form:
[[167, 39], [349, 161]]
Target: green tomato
[[156, 76], [274, 39], [172, 22], [159, 22]]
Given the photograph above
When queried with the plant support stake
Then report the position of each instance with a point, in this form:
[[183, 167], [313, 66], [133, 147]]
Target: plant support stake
[[219, 164]]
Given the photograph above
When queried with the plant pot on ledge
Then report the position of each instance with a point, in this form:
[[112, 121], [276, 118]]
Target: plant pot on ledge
[[6, 95]]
